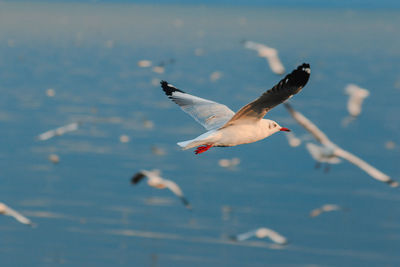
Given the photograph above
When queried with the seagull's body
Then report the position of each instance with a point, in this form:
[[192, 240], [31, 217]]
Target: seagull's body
[[325, 208], [226, 128], [322, 154], [262, 233], [155, 180], [336, 151], [270, 54], [5, 210]]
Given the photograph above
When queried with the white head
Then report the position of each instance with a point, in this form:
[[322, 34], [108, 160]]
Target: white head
[[274, 127]]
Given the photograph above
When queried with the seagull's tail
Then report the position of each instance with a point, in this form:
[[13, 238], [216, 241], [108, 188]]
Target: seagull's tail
[[184, 145]]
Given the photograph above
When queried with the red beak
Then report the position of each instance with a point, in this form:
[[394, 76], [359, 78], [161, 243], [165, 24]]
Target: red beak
[[284, 129]]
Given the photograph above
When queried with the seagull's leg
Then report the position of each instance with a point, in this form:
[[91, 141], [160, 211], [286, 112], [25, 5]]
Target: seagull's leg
[[317, 165], [202, 149], [327, 168]]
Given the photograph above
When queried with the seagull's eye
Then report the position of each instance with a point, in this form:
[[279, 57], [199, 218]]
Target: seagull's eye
[[275, 125]]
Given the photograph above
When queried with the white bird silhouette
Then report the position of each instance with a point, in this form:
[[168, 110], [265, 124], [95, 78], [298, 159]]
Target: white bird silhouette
[[262, 233], [58, 131], [271, 54], [5, 210], [226, 128], [336, 151], [155, 180], [293, 140], [325, 208], [356, 98]]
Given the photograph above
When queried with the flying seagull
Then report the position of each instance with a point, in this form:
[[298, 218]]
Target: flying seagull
[[356, 98], [325, 208], [58, 131], [271, 54], [154, 179], [5, 210], [262, 233], [336, 151], [226, 128]]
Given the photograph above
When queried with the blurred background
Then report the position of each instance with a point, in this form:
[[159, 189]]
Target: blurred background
[[99, 64]]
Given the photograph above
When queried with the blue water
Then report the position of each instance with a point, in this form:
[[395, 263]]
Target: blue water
[[86, 211]]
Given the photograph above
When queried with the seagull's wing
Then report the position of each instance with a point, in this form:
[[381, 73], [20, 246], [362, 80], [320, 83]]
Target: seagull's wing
[[274, 62], [137, 177], [244, 236], [58, 131], [254, 46], [177, 191], [309, 126], [210, 114], [271, 234], [286, 88], [18, 216], [376, 174]]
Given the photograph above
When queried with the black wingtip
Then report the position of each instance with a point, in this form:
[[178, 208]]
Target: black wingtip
[[137, 177], [299, 76], [392, 183], [168, 88]]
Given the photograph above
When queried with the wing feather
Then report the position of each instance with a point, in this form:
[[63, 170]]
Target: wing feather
[[286, 88], [210, 114]]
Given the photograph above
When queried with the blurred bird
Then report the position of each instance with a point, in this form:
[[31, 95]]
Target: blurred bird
[[58, 131], [356, 98], [293, 140], [226, 128], [271, 54], [229, 163], [325, 208], [154, 179], [336, 151], [262, 233], [5, 210]]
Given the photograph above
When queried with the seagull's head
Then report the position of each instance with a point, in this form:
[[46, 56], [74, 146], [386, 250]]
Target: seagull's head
[[274, 127]]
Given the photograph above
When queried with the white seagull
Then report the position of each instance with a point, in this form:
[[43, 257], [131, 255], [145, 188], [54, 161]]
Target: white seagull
[[154, 179], [325, 208], [271, 54], [5, 210], [293, 140], [262, 233], [226, 128], [336, 151], [58, 131], [356, 98]]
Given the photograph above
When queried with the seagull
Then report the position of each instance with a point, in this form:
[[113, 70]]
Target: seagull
[[271, 54], [155, 180], [325, 208], [226, 128], [293, 140], [5, 210], [262, 233], [58, 131], [356, 98], [336, 150]]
